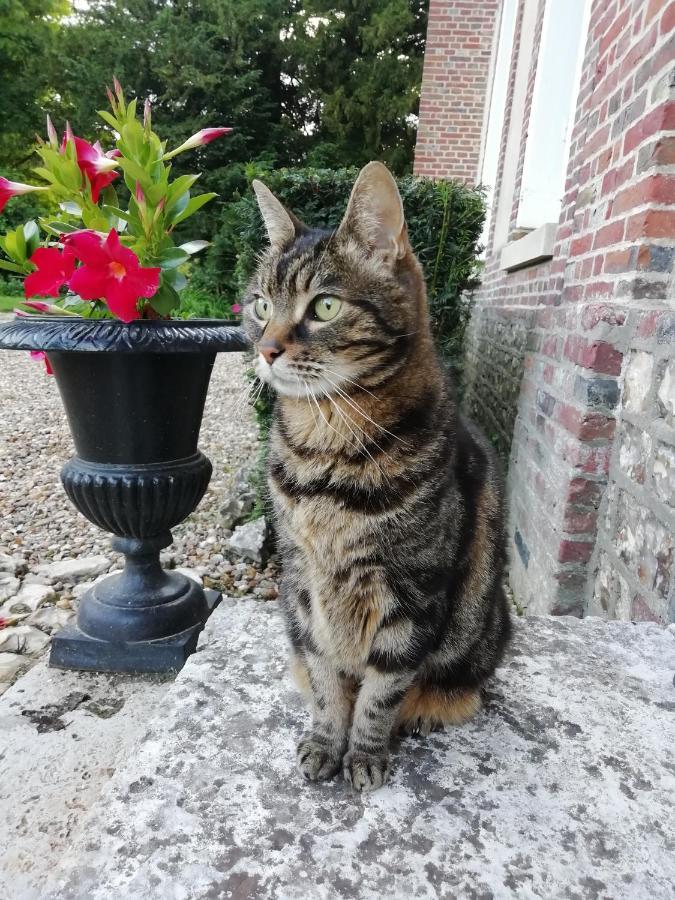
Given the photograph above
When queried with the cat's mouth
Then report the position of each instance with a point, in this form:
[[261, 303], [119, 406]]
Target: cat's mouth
[[285, 380]]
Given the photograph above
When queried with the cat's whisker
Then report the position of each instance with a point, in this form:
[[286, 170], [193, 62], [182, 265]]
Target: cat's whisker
[[350, 380], [332, 427], [355, 406], [363, 447], [342, 413]]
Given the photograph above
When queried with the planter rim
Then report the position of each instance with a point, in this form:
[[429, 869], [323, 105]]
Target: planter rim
[[67, 333]]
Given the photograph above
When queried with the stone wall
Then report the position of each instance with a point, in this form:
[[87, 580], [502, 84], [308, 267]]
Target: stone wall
[[459, 43], [570, 362]]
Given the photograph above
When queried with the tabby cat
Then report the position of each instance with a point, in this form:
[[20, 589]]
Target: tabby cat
[[388, 504]]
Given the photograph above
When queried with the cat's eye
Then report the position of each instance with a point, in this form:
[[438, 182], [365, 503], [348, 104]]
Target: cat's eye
[[263, 308], [326, 308]]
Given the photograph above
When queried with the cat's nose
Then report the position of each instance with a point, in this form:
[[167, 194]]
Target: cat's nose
[[270, 350]]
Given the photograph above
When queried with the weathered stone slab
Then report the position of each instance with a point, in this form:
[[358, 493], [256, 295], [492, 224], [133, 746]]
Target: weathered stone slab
[[562, 787], [61, 736]]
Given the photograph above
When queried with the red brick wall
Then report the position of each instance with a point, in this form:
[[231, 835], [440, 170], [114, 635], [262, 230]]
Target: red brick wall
[[452, 104], [571, 363]]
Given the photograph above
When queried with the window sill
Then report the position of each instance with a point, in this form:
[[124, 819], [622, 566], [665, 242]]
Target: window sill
[[535, 247]]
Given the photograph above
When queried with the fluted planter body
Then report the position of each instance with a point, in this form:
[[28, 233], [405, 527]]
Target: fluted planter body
[[134, 396]]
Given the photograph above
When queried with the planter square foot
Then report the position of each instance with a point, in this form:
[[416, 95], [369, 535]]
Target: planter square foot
[[73, 649]]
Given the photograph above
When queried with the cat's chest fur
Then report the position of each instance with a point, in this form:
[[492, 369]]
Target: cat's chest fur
[[347, 600]]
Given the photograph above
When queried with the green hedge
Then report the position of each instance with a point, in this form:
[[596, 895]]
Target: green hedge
[[445, 220]]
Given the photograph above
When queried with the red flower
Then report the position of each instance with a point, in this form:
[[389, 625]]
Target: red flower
[[110, 272], [41, 355], [54, 268], [9, 189], [96, 165]]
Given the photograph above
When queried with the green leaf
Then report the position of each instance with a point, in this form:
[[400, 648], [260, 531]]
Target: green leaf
[[44, 173], [173, 257], [72, 208], [31, 233], [180, 186], [193, 205], [11, 267], [56, 229], [110, 119], [135, 172], [194, 246], [165, 299]]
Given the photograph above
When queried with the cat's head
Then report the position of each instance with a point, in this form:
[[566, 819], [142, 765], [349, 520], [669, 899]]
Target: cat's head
[[328, 310]]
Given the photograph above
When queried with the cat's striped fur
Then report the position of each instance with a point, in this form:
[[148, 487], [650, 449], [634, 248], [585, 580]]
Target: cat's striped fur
[[388, 503]]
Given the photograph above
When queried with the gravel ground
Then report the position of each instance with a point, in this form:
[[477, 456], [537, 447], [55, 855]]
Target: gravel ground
[[38, 524]]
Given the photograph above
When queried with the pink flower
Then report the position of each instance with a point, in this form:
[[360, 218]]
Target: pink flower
[[96, 165], [9, 189], [205, 136], [38, 306], [110, 272], [41, 355], [54, 268], [236, 308]]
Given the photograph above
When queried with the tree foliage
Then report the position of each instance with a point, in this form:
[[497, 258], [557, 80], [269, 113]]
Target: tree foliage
[[335, 83]]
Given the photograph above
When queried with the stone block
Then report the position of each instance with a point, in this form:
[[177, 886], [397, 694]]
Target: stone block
[[665, 392], [664, 473], [209, 803], [638, 380], [635, 451]]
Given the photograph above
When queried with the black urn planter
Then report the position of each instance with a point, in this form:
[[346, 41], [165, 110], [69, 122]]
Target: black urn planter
[[134, 396]]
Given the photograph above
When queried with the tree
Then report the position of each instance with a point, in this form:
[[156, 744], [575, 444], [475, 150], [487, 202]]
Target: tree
[[216, 62], [28, 60], [359, 63]]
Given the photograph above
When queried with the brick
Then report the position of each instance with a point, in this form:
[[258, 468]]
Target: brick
[[579, 522], [656, 189], [609, 234], [595, 314], [586, 426], [619, 261], [597, 392], [668, 20], [581, 245], [574, 551], [653, 223], [660, 119], [584, 492], [655, 258], [599, 356]]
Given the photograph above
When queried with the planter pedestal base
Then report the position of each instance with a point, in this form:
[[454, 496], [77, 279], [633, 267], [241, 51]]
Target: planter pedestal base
[[72, 649]]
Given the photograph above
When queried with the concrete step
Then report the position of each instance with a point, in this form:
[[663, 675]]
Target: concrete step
[[562, 787], [62, 735]]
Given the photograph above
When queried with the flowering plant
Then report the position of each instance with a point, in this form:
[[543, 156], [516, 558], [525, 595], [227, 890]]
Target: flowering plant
[[100, 256]]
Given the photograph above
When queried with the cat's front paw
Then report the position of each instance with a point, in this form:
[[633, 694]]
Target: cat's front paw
[[366, 771], [316, 760]]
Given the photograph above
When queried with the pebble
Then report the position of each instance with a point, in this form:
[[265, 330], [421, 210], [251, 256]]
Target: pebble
[[9, 585], [250, 540], [76, 569], [51, 618], [24, 639], [10, 664], [7, 564], [31, 597]]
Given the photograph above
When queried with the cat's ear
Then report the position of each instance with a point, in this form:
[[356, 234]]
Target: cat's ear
[[282, 226], [375, 213]]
